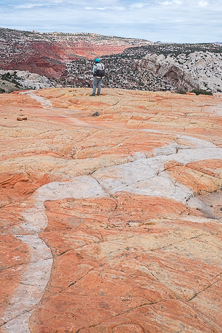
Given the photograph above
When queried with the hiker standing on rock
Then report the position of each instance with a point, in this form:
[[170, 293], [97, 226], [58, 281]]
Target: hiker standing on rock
[[98, 73]]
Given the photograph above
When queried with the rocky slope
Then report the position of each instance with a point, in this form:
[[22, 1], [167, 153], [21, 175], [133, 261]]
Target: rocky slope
[[156, 67], [111, 212], [20, 80], [47, 53]]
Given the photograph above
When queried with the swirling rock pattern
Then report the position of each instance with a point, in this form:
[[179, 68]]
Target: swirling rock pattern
[[110, 223]]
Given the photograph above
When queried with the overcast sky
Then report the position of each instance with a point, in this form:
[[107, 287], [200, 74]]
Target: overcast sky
[[156, 20]]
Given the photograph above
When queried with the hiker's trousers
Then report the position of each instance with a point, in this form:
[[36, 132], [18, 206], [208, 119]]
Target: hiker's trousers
[[97, 83]]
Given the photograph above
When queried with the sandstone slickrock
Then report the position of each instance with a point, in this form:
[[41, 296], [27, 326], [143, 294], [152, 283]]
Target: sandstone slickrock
[[112, 223]]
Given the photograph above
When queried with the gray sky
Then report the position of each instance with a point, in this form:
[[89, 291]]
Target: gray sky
[[156, 20]]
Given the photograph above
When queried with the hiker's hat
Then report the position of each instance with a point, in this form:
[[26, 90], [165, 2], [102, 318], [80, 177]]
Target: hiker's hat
[[97, 60]]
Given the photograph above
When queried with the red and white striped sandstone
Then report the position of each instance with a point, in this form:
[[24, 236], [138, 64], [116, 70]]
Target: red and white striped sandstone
[[111, 223]]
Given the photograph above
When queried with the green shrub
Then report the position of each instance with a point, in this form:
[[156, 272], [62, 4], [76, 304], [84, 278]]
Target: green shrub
[[6, 77], [181, 91], [15, 82], [2, 91], [201, 92]]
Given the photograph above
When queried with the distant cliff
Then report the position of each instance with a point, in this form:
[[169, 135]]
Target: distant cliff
[[67, 60], [155, 67], [48, 53]]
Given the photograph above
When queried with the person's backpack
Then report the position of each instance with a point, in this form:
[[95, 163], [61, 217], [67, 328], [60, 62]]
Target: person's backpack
[[100, 71]]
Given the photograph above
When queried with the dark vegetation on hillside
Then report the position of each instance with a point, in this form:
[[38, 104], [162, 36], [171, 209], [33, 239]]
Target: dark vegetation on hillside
[[9, 82], [122, 70], [13, 33], [176, 49], [10, 78]]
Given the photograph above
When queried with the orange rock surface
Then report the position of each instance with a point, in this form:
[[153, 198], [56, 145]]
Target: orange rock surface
[[110, 223]]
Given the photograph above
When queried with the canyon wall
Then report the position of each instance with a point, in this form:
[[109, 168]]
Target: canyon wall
[[155, 67], [47, 53]]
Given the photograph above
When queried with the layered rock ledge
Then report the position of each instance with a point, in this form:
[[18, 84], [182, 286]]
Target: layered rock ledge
[[110, 223]]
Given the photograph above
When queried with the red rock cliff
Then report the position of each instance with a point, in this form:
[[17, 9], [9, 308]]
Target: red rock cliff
[[47, 54]]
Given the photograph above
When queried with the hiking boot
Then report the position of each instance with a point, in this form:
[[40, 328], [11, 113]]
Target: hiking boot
[[98, 94], [92, 95]]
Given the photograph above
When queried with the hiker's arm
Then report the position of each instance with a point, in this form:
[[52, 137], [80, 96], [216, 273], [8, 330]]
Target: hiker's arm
[[94, 69]]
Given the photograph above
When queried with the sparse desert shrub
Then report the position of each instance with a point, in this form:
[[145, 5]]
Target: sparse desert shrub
[[181, 91], [6, 77], [2, 90], [201, 92], [11, 78]]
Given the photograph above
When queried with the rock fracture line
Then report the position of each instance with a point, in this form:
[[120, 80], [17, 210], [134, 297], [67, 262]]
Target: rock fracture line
[[144, 176]]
